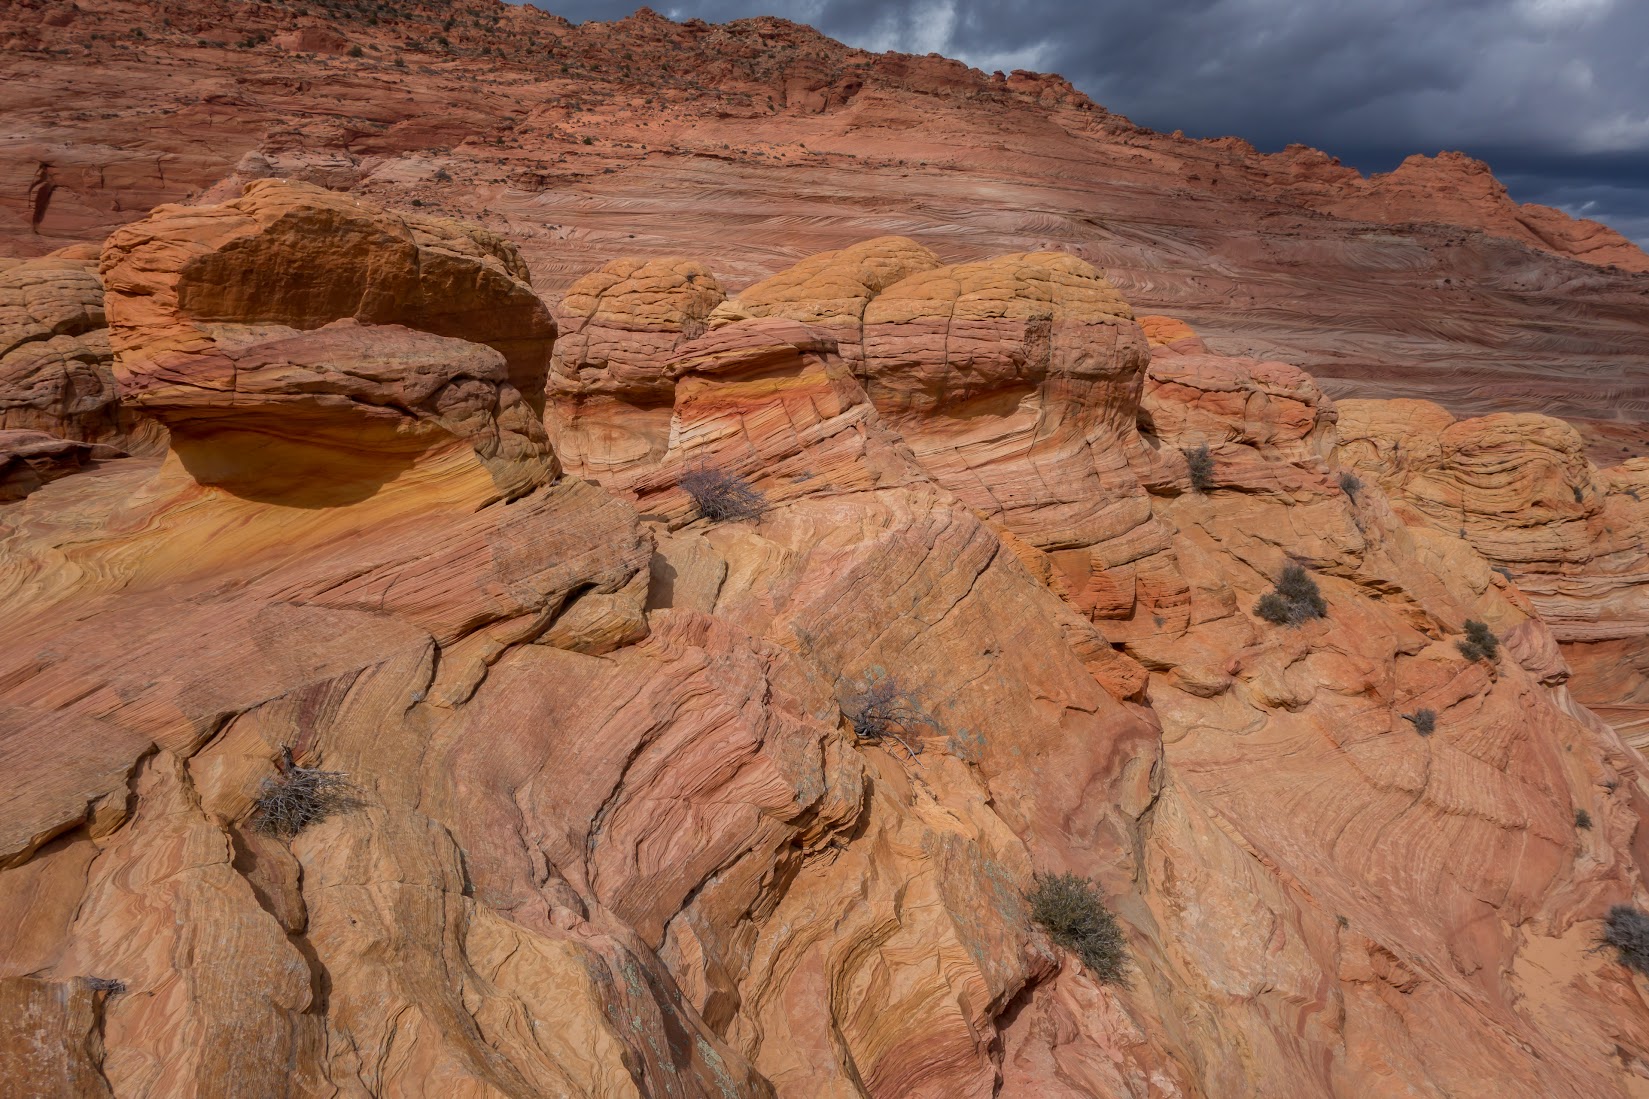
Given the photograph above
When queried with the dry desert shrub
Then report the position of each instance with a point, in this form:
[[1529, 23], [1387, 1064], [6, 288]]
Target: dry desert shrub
[[1069, 908], [1627, 930], [879, 707], [296, 797], [1200, 463], [1294, 600], [720, 495], [1480, 642]]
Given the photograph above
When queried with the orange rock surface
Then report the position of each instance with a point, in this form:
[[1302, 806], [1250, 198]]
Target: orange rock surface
[[611, 831], [1520, 491], [759, 143]]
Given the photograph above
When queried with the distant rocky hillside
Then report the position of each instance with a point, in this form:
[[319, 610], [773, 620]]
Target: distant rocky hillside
[[759, 142]]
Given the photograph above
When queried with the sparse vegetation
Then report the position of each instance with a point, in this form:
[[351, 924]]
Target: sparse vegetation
[[296, 797], [356, 51], [721, 495], [1583, 820], [1627, 930], [1295, 600], [109, 986], [1424, 721], [1200, 463], [1480, 642], [880, 707], [1070, 909], [1351, 484]]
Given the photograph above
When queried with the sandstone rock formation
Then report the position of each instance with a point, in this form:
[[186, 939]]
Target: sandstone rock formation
[[1455, 189], [610, 830], [610, 395], [54, 349], [1520, 490], [757, 143]]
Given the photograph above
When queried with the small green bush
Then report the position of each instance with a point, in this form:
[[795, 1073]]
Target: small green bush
[[1480, 642], [1070, 909], [1351, 484], [1627, 930], [1200, 463], [1424, 721], [1295, 600], [356, 51], [1583, 820]]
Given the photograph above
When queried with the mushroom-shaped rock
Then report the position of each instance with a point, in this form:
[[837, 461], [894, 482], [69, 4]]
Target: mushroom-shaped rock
[[1268, 425], [609, 396], [769, 400], [299, 256], [619, 324], [349, 404], [832, 289], [941, 339], [1016, 381], [267, 334], [1518, 487], [1518, 484]]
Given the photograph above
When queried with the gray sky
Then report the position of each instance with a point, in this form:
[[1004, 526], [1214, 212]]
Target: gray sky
[[1553, 93]]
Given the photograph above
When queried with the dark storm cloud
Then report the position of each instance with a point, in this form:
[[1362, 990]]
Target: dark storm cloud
[[1553, 93]]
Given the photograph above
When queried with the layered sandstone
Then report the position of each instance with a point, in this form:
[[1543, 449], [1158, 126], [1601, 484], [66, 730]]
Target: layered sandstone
[[55, 371], [1521, 491], [613, 833], [610, 396], [758, 143], [1455, 189]]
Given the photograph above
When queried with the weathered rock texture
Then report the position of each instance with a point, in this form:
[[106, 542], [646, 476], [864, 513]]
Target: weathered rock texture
[[1520, 490], [754, 144], [608, 830], [54, 350], [610, 396]]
